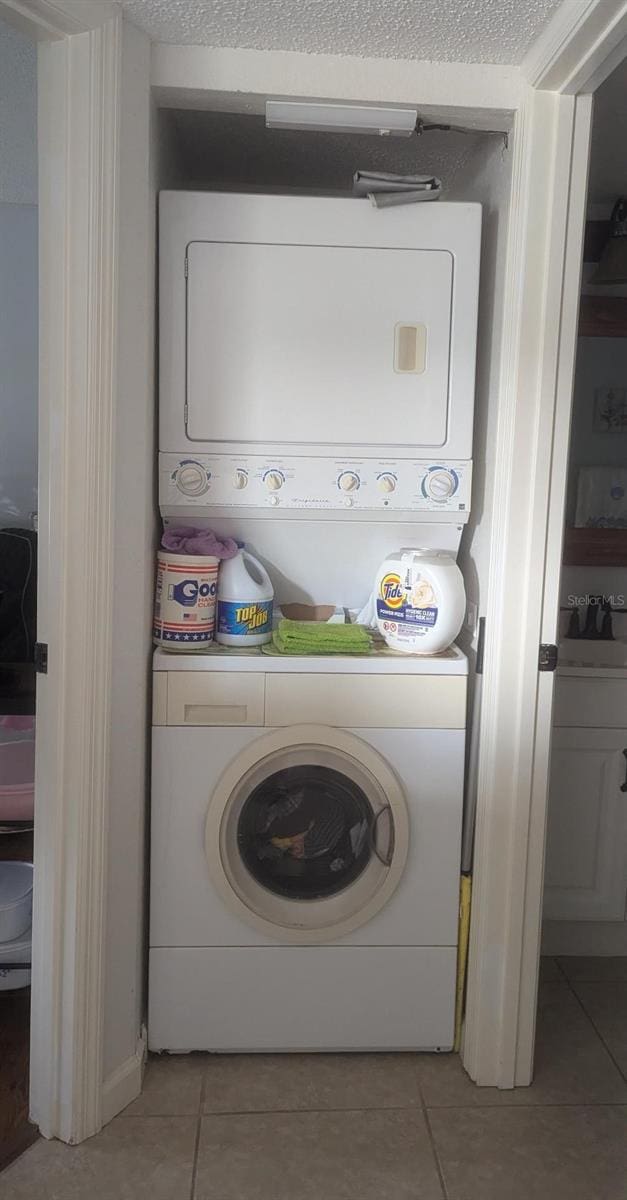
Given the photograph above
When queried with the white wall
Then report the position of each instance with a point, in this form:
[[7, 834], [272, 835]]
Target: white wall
[[133, 567], [234, 150], [18, 278], [18, 117], [18, 363]]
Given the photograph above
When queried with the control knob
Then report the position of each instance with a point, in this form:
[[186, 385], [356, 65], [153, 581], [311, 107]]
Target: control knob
[[274, 480], [191, 479], [348, 481], [386, 482], [440, 484], [240, 479]]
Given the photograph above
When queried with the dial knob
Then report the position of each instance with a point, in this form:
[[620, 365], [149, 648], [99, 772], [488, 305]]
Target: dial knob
[[273, 480], [240, 479], [191, 479], [386, 482], [440, 484], [348, 481]]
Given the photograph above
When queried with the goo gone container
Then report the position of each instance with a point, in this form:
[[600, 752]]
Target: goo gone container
[[245, 597], [185, 600], [420, 601]]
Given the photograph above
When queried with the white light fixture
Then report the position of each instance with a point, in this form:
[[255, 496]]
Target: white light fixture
[[340, 118]]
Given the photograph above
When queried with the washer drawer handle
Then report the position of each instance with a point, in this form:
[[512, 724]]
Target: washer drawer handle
[[215, 714], [386, 859]]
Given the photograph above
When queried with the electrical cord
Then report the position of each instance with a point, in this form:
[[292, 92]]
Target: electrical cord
[[421, 128]]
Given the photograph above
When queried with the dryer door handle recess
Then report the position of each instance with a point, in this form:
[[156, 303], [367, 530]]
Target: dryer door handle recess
[[384, 857]]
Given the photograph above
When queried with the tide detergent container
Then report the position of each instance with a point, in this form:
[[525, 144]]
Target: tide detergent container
[[245, 597], [419, 601], [185, 600]]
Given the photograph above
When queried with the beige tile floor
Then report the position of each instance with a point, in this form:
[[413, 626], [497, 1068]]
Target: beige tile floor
[[397, 1126]]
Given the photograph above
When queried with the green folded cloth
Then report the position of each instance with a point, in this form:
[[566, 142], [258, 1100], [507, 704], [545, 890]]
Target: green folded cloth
[[320, 637]]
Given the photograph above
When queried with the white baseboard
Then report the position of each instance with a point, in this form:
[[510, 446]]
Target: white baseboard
[[125, 1083], [590, 938]]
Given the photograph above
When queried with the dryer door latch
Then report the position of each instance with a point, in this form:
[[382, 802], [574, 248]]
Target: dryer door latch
[[547, 659]]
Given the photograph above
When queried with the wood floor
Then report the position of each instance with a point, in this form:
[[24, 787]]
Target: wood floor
[[16, 1132]]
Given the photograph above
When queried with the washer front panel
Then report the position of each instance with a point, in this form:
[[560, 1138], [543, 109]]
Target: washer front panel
[[188, 909], [320, 919]]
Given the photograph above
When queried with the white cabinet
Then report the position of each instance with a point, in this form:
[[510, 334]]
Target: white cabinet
[[586, 860]]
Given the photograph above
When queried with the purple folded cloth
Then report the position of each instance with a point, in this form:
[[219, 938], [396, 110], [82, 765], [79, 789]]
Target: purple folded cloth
[[187, 540]]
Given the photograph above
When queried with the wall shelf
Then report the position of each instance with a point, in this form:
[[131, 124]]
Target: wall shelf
[[595, 548]]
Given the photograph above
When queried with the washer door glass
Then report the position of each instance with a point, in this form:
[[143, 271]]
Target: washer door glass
[[307, 831], [307, 839]]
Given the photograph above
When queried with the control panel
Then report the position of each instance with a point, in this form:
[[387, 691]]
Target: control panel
[[253, 481]]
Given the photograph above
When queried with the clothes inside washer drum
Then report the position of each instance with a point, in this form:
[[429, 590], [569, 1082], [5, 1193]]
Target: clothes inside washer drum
[[304, 831]]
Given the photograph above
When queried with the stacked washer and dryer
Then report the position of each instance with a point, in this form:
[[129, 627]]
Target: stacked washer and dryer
[[317, 363]]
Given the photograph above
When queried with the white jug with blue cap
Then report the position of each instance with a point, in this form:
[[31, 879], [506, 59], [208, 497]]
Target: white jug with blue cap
[[245, 600]]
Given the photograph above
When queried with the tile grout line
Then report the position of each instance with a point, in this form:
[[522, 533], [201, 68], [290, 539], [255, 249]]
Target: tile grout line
[[561, 970], [434, 1149], [434, 1107], [595, 1028], [201, 1105]]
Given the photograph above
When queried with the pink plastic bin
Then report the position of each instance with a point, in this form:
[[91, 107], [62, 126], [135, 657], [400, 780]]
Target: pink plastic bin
[[17, 780]]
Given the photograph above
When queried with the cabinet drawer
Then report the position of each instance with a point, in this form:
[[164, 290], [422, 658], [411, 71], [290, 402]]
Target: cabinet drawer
[[349, 701], [591, 703], [214, 698]]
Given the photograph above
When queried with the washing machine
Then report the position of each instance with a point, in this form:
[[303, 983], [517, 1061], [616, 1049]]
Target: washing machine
[[317, 361], [352, 947]]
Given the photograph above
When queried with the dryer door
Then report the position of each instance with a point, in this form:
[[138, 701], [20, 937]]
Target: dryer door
[[298, 344], [307, 834]]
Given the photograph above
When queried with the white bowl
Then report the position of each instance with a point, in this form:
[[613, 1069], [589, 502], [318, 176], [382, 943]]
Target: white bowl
[[16, 899]]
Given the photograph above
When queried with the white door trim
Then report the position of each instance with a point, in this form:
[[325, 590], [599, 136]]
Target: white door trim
[[582, 38], [551, 146], [50, 20], [78, 124], [78, 168], [566, 302], [509, 845]]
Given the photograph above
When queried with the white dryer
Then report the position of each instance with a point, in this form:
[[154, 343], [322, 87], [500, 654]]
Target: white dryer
[[316, 379], [342, 934], [301, 325]]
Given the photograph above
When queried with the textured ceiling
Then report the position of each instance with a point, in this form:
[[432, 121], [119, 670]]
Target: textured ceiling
[[203, 150], [491, 31]]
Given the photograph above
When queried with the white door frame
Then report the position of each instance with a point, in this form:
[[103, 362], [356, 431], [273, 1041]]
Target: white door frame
[[79, 116], [551, 144], [78, 133]]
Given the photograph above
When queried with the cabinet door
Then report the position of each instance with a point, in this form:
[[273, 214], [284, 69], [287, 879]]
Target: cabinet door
[[586, 859]]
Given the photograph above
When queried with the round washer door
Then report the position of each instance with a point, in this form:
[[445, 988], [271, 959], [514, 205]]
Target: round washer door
[[307, 834]]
